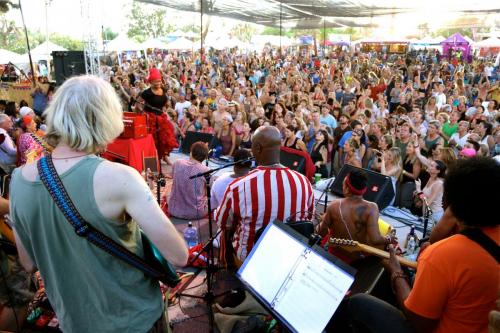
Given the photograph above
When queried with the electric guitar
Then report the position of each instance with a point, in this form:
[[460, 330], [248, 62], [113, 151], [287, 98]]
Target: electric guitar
[[354, 246]]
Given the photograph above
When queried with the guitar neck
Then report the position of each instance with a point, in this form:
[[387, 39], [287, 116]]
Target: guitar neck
[[384, 254]]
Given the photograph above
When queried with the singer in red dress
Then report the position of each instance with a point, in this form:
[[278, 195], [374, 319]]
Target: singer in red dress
[[159, 125]]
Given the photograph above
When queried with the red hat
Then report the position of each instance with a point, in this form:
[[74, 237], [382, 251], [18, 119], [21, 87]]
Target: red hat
[[154, 74], [27, 120]]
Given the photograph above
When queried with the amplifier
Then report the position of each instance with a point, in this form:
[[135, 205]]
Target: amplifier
[[135, 126]]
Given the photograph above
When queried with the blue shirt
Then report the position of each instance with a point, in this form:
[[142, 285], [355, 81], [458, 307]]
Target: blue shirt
[[39, 102], [328, 120]]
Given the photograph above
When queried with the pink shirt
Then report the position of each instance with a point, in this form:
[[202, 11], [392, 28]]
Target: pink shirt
[[188, 198]]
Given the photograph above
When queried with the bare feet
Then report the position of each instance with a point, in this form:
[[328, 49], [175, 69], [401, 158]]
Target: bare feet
[[166, 160]]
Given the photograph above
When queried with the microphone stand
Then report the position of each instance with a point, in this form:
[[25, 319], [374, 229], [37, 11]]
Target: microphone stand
[[325, 193], [209, 296], [427, 214]]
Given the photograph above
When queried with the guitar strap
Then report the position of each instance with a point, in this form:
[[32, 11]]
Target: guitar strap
[[484, 241], [55, 187]]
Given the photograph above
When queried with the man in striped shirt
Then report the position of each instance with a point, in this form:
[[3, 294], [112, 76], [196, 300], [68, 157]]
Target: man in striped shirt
[[269, 192]]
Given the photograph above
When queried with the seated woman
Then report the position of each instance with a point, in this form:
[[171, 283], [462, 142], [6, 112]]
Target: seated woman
[[31, 145], [227, 136], [188, 198], [246, 137], [291, 140]]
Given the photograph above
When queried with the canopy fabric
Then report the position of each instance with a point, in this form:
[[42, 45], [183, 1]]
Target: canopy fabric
[[47, 47], [154, 43], [123, 43], [7, 56], [306, 14], [455, 39], [182, 44], [490, 42]]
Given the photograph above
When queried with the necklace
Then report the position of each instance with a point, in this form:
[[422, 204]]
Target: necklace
[[69, 157]]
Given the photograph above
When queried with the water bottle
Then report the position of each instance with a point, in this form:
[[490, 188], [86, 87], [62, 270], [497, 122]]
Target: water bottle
[[191, 235], [412, 246]]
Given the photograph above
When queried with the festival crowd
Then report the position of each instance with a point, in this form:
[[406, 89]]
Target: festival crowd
[[422, 119]]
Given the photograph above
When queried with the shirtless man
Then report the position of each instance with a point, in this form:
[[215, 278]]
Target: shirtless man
[[352, 217]]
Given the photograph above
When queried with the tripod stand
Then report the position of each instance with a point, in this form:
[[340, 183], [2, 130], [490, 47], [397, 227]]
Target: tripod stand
[[427, 215], [209, 296]]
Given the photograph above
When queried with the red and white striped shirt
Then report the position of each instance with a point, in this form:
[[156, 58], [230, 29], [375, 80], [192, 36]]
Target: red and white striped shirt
[[265, 194]]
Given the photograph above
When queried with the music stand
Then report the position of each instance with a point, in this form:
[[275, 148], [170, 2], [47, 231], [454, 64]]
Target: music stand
[[307, 284]]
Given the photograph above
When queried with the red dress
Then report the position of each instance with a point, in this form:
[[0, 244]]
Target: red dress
[[159, 126]]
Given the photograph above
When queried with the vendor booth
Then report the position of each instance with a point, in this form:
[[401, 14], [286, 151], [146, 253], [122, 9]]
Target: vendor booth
[[489, 47], [457, 46]]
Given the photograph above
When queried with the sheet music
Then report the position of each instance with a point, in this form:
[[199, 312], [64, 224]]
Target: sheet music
[[320, 285], [299, 284], [263, 278]]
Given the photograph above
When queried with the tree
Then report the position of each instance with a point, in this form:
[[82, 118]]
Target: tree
[[108, 34], [9, 34], [6, 5], [243, 31], [146, 22]]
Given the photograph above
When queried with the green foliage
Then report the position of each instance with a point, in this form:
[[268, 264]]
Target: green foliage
[[147, 21], [243, 31], [448, 32], [273, 31], [6, 5], [108, 34]]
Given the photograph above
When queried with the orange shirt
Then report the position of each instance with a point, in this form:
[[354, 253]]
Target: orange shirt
[[457, 283]]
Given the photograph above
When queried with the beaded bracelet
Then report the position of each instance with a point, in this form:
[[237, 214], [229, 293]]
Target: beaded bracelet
[[395, 276]]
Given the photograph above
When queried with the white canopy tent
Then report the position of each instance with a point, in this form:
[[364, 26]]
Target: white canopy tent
[[154, 43], [7, 56], [182, 44], [490, 42], [123, 43], [41, 52]]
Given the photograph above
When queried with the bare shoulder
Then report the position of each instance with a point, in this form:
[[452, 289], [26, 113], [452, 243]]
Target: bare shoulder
[[116, 176]]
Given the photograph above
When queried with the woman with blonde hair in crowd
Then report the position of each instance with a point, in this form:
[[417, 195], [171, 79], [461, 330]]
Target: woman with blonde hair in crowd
[[350, 156], [392, 166]]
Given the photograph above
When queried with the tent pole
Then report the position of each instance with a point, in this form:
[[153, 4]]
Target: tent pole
[[28, 45], [201, 31], [281, 25]]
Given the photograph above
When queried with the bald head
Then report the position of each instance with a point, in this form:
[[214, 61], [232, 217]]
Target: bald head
[[266, 144]]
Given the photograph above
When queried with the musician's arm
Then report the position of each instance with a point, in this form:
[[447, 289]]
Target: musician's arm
[[323, 227], [402, 290], [140, 204], [24, 258], [4, 206], [372, 229]]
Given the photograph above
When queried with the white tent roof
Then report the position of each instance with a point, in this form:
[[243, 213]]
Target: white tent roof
[[182, 44], [490, 42], [221, 43], [261, 40], [122, 43], [7, 56], [41, 52], [154, 43], [47, 47]]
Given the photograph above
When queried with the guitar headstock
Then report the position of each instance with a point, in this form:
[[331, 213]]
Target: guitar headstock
[[347, 244]]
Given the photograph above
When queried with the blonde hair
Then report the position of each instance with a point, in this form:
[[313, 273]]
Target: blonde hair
[[86, 114], [396, 156]]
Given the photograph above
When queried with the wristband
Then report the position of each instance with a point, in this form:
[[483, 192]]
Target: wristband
[[397, 275]]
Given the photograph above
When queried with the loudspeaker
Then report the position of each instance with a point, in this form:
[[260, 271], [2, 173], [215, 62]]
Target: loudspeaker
[[293, 161], [192, 137], [379, 187], [68, 64]]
